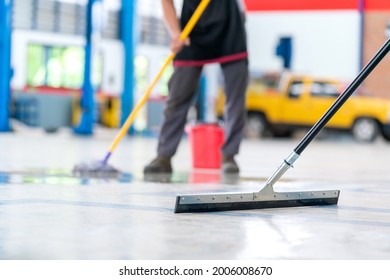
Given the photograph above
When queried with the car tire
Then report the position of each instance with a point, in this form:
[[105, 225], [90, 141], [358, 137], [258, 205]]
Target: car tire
[[386, 135], [365, 130], [256, 125], [282, 132]]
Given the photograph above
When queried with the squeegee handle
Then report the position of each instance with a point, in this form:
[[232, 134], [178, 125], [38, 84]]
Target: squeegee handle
[[343, 97], [184, 34]]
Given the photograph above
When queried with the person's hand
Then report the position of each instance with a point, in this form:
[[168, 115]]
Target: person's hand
[[177, 44]]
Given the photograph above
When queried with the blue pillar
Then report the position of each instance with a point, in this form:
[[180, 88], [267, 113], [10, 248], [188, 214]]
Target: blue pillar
[[87, 96], [5, 63], [284, 49], [127, 35]]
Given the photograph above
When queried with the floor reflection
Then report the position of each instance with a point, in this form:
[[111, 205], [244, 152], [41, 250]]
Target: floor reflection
[[58, 177], [67, 177]]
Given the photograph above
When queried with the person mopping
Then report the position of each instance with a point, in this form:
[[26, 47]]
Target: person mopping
[[218, 37]]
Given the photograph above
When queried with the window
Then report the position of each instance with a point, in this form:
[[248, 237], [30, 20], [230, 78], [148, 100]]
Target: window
[[54, 66], [36, 68], [141, 68], [162, 86], [296, 89], [268, 80], [141, 65], [324, 89]]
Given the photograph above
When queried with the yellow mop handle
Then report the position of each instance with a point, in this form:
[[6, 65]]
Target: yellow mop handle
[[184, 34]]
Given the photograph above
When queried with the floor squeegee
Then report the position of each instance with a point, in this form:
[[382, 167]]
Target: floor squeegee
[[267, 197]]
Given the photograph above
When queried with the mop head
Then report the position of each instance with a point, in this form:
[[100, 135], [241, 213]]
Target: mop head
[[253, 200], [95, 169]]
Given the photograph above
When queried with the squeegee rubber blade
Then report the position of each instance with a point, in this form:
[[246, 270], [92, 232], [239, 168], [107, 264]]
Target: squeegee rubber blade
[[251, 205]]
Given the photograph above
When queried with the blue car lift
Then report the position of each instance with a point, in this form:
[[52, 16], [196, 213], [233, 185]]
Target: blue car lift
[[87, 102], [127, 36], [5, 63]]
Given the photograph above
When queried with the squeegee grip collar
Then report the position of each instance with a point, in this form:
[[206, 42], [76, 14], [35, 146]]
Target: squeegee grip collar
[[286, 165], [343, 97]]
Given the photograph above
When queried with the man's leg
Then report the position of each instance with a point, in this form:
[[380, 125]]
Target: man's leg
[[182, 86], [236, 82]]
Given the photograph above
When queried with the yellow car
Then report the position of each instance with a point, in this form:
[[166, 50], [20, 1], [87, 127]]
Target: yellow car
[[278, 105]]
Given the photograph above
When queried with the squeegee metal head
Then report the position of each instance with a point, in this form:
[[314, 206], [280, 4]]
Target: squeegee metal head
[[265, 198], [253, 200]]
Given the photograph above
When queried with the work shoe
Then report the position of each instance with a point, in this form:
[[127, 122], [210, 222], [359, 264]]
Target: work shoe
[[159, 165], [229, 165]]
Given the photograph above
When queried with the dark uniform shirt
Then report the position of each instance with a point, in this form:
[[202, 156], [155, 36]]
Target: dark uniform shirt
[[219, 35]]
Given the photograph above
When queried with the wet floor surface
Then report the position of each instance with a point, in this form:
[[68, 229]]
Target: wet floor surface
[[47, 213]]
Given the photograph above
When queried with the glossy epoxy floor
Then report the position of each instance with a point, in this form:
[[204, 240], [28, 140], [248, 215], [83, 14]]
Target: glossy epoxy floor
[[45, 213]]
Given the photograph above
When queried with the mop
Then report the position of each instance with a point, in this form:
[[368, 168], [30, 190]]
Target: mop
[[102, 168], [267, 197]]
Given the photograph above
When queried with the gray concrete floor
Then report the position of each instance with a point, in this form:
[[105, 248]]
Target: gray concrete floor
[[45, 213]]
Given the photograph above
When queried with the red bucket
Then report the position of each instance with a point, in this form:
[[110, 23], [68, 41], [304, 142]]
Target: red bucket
[[206, 141]]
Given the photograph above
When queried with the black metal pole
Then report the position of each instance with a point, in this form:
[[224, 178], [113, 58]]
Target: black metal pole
[[343, 97]]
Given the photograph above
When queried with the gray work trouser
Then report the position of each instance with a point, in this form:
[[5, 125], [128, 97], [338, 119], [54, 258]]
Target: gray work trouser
[[182, 87]]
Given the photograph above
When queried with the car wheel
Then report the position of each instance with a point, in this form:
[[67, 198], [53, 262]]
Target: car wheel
[[256, 126], [365, 130], [282, 132], [386, 135]]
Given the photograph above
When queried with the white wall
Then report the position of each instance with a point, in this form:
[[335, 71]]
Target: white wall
[[324, 42]]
